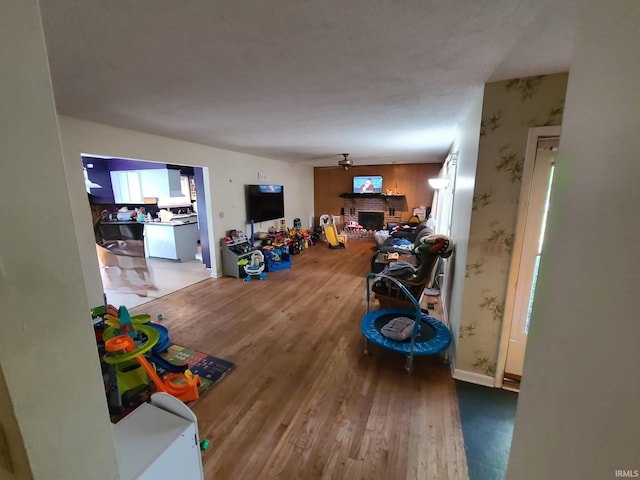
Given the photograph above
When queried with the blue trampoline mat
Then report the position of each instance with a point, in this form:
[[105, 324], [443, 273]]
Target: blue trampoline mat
[[434, 336]]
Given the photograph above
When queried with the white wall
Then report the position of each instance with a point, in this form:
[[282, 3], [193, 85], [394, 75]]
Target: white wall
[[48, 355], [579, 412], [466, 145], [228, 173]]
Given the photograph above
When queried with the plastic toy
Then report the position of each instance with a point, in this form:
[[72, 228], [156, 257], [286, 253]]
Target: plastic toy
[[333, 239], [99, 311], [126, 327], [277, 259], [163, 338], [121, 348], [255, 268], [126, 377], [114, 321], [330, 232]]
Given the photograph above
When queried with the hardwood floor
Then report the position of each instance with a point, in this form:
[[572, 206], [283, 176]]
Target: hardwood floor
[[303, 402]]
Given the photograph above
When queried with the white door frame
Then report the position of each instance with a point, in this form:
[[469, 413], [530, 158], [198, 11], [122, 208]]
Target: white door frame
[[535, 134]]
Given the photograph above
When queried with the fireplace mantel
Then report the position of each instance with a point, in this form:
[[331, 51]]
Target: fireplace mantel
[[369, 195]]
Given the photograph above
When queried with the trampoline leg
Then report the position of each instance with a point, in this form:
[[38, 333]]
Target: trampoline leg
[[366, 346], [445, 356], [409, 366]]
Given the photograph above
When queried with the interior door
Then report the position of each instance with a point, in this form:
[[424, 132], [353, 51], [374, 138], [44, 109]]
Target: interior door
[[532, 241]]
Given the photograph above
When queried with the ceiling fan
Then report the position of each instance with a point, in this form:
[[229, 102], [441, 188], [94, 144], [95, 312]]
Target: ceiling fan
[[345, 162]]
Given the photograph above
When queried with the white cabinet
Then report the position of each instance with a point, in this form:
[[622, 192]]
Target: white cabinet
[[126, 186], [160, 182], [157, 441]]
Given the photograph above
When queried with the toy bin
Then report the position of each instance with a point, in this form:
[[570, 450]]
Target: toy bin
[[277, 259]]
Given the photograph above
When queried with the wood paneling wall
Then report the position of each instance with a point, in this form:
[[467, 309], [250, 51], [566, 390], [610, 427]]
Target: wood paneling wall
[[407, 179]]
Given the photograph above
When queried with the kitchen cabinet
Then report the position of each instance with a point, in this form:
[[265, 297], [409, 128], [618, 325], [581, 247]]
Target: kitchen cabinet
[[160, 182], [132, 186], [126, 186]]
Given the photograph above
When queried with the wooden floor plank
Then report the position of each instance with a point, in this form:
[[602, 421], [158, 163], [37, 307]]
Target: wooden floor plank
[[303, 401]]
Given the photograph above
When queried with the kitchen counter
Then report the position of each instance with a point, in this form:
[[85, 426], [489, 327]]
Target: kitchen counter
[[174, 240], [174, 223]]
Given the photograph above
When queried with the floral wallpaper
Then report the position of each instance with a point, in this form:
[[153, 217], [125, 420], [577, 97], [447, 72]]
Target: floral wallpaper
[[510, 108]]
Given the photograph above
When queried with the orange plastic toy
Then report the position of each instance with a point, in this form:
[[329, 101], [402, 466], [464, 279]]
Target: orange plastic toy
[[183, 386]]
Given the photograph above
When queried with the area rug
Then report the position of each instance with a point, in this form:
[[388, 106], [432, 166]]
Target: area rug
[[211, 371]]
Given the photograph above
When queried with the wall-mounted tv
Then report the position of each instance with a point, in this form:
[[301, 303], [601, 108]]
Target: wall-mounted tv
[[370, 184], [265, 202]]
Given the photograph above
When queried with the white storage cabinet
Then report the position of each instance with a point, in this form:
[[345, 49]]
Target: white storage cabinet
[[159, 441]]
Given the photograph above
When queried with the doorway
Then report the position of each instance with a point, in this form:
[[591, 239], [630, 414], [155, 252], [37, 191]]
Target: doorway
[[143, 260], [537, 180]]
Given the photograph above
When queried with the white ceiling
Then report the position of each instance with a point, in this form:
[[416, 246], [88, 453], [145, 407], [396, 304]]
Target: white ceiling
[[298, 80]]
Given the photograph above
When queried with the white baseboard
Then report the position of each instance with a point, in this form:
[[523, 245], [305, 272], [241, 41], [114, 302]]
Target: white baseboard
[[473, 377], [510, 388], [450, 353], [462, 375]]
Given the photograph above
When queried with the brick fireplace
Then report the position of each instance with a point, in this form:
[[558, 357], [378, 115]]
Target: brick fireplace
[[386, 209], [371, 220]]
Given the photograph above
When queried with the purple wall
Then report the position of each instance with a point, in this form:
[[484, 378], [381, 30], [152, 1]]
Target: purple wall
[[122, 164], [102, 168], [202, 217], [99, 174]]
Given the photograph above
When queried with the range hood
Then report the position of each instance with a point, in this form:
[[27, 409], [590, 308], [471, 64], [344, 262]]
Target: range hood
[[173, 202]]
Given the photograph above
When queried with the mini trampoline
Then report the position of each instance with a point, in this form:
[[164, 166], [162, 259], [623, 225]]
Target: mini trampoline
[[428, 336]]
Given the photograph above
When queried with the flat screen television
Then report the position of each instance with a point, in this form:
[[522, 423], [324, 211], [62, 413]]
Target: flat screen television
[[370, 184], [265, 202]]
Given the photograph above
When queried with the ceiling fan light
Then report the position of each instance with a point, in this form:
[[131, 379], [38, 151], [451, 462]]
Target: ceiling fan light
[[345, 162]]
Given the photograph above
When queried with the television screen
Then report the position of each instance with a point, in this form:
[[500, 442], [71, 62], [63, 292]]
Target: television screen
[[371, 184], [265, 202]]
